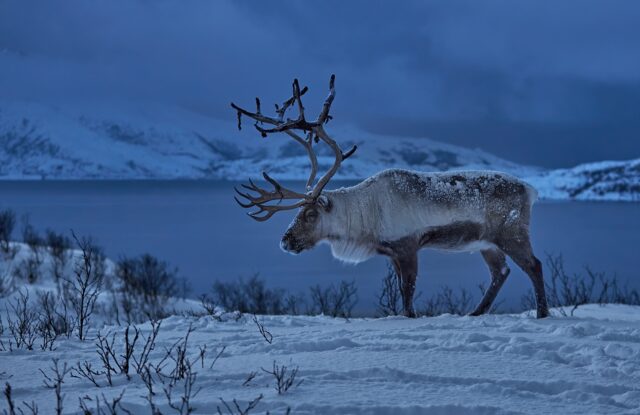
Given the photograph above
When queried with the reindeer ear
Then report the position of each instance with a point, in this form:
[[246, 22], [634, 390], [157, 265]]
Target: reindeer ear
[[324, 202]]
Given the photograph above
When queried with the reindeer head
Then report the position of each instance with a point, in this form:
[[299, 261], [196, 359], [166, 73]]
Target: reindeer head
[[305, 230]]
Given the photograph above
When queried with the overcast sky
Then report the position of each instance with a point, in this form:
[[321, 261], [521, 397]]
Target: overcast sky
[[550, 83]]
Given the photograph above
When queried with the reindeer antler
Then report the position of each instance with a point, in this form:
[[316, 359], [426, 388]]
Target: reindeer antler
[[313, 130]]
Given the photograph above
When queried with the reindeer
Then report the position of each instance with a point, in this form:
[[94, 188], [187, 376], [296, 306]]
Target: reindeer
[[398, 212]]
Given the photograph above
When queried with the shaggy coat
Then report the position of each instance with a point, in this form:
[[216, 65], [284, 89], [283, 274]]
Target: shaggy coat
[[397, 212]]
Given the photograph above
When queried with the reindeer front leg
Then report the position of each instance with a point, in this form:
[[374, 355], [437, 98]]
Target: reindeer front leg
[[406, 267]]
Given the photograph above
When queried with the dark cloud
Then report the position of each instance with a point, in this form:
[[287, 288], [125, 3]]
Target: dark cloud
[[549, 83]]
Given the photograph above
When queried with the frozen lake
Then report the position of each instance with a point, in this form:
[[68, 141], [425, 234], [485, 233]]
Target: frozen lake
[[196, 226]]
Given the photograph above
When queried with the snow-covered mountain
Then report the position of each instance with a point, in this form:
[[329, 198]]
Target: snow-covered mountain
[[126, 141], [605, 180], [161, 142]]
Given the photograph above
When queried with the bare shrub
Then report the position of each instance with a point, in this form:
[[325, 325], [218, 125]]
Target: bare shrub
[[285, 377], [7, 285], [147, 379], [145, 285], [183, 406], [85, 370], [209, 306], [236, 409], [22, 322], [182, 376], [54, 319], [174, 374], [30, 236], [566, 290], [107, 353], [448, 301], [141, 361], [334, 300], [390, 297], [103, 405], [7, 224], [59, 247], [251, 296], [83, 289], [54, 380], [28, 269], [294, 304], [30, 408]]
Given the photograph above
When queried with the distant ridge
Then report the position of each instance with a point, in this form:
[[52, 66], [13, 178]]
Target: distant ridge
[[125, 141]]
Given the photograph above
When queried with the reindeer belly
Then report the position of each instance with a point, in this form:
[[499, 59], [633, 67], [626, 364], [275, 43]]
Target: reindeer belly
[[464, 236]]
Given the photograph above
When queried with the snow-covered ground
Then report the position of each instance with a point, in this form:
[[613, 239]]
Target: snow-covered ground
[[495, 364], [148, 141]]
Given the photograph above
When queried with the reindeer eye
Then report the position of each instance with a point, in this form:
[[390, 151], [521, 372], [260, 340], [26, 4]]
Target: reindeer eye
[[311, 215]]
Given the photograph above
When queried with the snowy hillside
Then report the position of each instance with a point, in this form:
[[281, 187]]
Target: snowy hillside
[[606, 180], [38, 141], [125, 141]]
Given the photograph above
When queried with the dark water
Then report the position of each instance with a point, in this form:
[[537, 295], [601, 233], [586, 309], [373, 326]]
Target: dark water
[[198, 227]]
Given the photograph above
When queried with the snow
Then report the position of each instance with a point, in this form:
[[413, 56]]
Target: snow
[[496, 364], [493, 364]]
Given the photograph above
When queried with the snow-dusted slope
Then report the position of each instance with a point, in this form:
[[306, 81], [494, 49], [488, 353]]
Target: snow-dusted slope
[[120, 141], [606, 180], [126, 141]]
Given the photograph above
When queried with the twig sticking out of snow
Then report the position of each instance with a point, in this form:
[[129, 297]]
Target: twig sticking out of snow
[[10, 403], [236, 409], [55, 380], [249, 378], [113, 407], [268, 337]]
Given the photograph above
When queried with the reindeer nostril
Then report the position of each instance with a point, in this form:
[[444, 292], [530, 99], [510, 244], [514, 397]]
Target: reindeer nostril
[[290, 245], [285, 243]]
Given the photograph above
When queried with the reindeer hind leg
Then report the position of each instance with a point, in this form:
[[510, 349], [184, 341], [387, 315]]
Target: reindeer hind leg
[[497, 263], [519, 249], [406, 267]]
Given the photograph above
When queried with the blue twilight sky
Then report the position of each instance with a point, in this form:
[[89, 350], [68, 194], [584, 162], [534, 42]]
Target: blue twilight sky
[[552, 83]]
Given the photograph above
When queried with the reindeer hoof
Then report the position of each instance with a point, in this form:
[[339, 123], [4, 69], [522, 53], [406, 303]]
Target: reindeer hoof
[[410, 314], [476, 313]]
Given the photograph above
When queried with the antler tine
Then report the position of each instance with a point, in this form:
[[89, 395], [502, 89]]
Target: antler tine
[[271, 210], [296, 96], [314, 161], [339, 158], [318, 129], [255, 115], [308, 145], [324, 116], [285, 105], [260, 201], [314, 130]]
